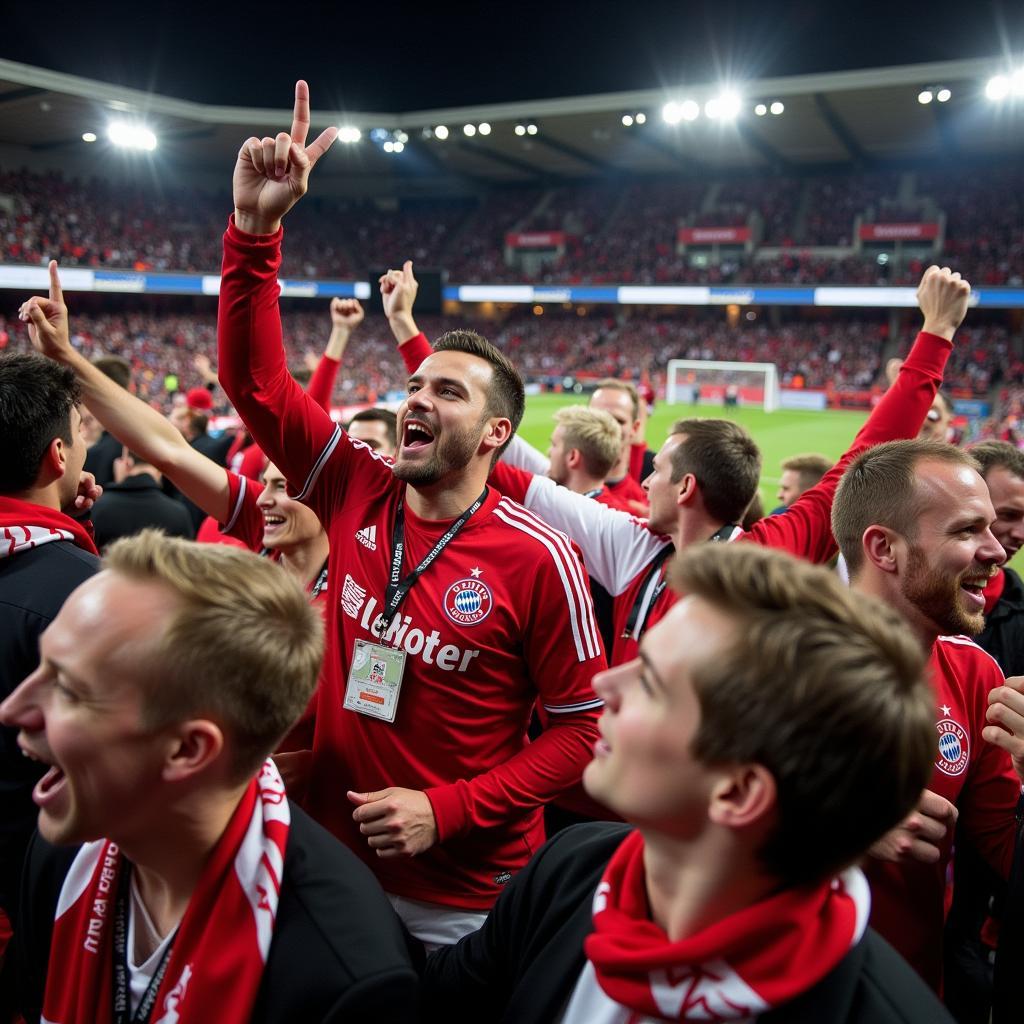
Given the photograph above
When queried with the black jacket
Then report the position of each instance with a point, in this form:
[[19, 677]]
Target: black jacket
[[33, 586], [522, 966], [99, 460], [126, 508], [1003, 635], [339, 954]]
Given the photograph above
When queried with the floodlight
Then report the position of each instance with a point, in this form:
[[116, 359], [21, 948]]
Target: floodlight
[[531, 129], [441, 132], [690, 110], [398, 147], [671, 112], [469, 130], [349, 134], [131, 136], [641, 118], [401, 137], [760, 110], [484, 128], [88, 136], [943, 95], [520, 129], [627, 120], [778, 107], [998, 87], [389, 146], [925, 96], [729, 106], [712, 109]]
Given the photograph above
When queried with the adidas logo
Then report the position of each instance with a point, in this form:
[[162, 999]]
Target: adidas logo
[[367, 536]]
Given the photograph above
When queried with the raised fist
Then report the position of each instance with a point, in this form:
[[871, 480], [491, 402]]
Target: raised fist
[[943, 297], [346, 313]]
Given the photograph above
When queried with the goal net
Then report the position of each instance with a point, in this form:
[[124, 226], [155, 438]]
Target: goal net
[[712, 382]]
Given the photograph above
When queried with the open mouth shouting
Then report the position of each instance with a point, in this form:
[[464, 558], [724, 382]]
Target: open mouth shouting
[[416, 435], [974, 589], [272, 522], [51, 785]]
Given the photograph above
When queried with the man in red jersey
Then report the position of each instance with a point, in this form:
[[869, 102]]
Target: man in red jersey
[[453, 607], [707, 472], [913, 520]]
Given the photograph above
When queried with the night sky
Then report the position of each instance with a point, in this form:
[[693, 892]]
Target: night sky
[[400, 56]]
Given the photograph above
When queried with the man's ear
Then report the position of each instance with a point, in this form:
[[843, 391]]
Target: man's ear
[[745, 795], [194, 746], [499, 430], [687, 489], [883, 548], [54, 463], [573, 458]]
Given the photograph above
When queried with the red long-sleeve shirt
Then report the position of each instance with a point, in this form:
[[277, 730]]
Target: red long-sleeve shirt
[[522, 626]]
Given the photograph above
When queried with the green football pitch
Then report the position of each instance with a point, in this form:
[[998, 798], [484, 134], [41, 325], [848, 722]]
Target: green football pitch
[[778, 434]]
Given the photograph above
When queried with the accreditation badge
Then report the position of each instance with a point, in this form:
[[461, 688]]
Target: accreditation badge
[[375, 680]]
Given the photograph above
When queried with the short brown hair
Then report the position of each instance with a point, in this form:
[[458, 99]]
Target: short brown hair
[[614, 384], [811, 468], [117, 368], [879, 488], [725, 460], [823, 687], [244, 646], [998, 455], [594, 433], [506, 395]]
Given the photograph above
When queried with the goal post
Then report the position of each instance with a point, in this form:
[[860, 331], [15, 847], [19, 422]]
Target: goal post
[[726, 383]]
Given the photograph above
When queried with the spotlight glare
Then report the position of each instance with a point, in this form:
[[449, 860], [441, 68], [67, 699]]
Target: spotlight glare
[[389, 146], [131, 136], [729, 106], [778, 107], [349, 134], [760, 110], [531, 129], [88, 136], [398, 147], [441, 132], [469, 130], [712, 109], [627, 120], [1017, 82], [520, 129], [401, 137], [690, 110], [672, 112], [943, 95], [997, 88], [484, 128], [925, 96], [641, 118]]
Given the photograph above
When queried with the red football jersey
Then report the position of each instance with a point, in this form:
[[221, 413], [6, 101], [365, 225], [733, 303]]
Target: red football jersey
[[502, 616], [908, 900]]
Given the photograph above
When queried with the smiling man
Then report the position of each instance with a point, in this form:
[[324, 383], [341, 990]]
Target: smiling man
[[773, 726], [163, 684], [453, 608], [913, 520]]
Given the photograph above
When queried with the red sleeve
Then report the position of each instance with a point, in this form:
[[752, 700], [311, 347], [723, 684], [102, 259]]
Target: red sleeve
[[560, 637], [414, 351], [286, 423], [253, 462], [321, 384], [245, 520], [510, 481], [989, 798], [636, 461], [805, 529]]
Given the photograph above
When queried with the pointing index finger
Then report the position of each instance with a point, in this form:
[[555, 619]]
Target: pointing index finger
[[300, 116]]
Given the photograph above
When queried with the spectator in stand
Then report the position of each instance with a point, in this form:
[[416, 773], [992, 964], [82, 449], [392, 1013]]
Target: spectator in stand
[[799, 473], [101, 456], [445, 791], [134, 502], [621, 400], [586, 444], [165, 682], [377, 428], [44, 555], [731, 894], [913, 521]]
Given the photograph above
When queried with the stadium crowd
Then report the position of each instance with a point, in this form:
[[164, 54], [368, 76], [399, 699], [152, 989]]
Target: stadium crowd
[[401, 719]]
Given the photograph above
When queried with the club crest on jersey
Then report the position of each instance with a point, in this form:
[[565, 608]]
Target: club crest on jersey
[[954, 748], [468, 602]]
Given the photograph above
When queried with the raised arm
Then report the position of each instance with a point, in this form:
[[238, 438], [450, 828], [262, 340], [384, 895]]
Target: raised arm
[[271, 175], [129, 419], [398, 290], [806, 530], [346, 316]]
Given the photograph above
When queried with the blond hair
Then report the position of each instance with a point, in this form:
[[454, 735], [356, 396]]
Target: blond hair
[[243, 647], [879, 488], [594, 433], [822, 686], [614, 384]]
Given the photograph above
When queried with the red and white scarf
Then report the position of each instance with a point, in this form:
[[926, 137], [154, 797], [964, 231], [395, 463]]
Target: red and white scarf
[[217, 959], [24, 525], [735, 969]]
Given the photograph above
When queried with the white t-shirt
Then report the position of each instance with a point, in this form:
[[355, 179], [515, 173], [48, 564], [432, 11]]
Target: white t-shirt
[[140, 975]]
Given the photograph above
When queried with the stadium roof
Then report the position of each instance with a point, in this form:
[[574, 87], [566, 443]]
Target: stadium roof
[[859, 118]]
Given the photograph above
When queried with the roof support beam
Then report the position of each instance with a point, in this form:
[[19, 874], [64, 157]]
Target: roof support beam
[[840, 129], [500, 158]]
